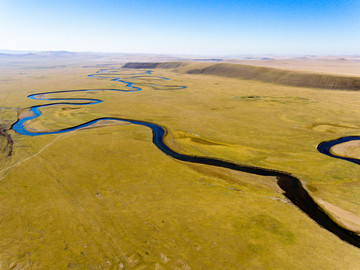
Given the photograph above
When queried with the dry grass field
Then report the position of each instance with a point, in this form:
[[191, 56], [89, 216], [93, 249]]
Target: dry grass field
[[344, 65], [105, 197]]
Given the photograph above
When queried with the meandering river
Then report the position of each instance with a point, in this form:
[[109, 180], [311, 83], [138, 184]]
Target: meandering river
[[325, 148], [292, 186]]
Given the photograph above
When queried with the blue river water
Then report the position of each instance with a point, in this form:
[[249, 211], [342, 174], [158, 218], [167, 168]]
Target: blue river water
[[325, 148], [19, 126], [292, 186]]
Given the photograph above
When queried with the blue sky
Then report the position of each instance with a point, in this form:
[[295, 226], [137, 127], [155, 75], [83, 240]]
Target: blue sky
[[210, 27]]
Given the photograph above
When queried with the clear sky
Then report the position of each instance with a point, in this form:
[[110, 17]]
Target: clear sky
[[221, 27]]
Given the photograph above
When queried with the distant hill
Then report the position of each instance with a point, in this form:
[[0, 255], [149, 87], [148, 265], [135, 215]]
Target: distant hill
[[54, 58], [264, 74]]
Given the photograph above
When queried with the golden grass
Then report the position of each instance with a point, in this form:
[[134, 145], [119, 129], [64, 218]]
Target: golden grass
[[108, 198], [348, 66], [264, 74]]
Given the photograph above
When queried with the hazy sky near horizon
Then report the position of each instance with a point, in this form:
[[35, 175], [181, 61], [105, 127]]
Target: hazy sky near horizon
[[325, 27]]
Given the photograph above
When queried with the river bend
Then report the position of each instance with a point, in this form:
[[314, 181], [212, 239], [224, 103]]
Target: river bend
[[292, 186]]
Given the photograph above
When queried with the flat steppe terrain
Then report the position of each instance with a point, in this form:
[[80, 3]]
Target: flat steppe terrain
[[344, 65], [104, 197]]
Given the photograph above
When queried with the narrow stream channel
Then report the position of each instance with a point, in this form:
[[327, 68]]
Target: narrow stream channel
[[292, 186], [325, 148]]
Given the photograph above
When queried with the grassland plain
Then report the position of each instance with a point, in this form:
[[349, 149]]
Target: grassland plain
[[106, 198], [345, 65]]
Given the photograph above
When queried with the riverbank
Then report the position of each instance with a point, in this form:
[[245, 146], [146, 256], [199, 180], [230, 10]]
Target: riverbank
[[157, 211]]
